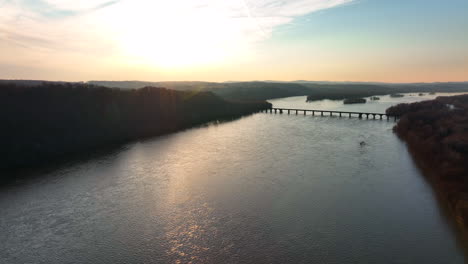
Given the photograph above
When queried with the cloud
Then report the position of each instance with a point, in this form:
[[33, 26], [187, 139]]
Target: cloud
[[43, 25], [23, 40], [291, 8], [60, 9], [160, 30], [76, 5]]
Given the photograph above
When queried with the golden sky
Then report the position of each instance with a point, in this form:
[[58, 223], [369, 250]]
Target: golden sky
[[241, 40]]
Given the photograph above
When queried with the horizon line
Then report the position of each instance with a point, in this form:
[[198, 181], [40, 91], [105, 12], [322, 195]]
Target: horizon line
[[264, 81]]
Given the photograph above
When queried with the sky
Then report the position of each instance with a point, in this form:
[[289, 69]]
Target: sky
[[235, 40]]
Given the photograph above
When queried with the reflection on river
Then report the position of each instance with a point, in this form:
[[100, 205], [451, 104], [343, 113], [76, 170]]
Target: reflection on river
[[262, 189]]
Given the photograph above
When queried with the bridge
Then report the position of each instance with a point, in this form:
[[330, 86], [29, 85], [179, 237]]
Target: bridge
[[360, 115]]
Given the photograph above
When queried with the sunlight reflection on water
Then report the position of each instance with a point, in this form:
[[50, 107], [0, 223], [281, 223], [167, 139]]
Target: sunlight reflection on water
[[262, 189]]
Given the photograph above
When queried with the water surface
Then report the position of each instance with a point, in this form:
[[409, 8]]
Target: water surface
[[262, 189]]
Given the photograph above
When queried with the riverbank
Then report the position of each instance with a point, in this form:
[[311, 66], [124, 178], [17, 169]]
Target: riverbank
[[436, 133], [52, 121], [268, 186]]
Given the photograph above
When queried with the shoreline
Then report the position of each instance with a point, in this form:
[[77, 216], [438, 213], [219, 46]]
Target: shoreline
[[54, 122], [434, 134]]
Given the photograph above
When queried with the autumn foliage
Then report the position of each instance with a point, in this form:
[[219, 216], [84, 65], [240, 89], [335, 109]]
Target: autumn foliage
[[436, 133]]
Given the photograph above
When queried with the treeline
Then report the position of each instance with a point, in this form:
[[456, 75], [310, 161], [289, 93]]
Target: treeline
[[239, 91], [46, 122], [436, 133], [251, 91], [264, 90], [345, 91]]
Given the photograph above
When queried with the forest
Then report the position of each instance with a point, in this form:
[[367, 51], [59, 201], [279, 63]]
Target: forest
[[47, 122], [436, 133], [264, 90]]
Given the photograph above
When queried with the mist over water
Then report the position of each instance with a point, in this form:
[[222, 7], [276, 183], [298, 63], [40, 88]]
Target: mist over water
[[262, 189]]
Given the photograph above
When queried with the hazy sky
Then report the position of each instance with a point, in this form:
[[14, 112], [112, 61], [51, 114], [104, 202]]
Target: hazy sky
[[221, 40]]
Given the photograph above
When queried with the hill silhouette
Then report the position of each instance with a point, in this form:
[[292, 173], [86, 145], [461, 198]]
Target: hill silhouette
[[264, 90], [46, 122]]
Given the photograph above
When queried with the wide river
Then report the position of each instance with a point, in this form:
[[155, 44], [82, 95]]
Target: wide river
[[261, 189]]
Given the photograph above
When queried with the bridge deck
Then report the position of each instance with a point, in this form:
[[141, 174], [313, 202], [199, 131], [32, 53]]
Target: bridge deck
[[331, 112]]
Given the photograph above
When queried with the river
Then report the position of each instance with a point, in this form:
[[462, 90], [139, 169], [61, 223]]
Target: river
[[266, 188]]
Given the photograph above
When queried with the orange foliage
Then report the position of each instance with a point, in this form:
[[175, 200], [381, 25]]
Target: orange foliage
[[436, 133]]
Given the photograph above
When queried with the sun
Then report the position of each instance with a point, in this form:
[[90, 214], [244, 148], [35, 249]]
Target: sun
[[173, 47], [176, 34]]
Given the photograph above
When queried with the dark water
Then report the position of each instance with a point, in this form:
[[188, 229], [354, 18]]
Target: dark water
[[263, 189]]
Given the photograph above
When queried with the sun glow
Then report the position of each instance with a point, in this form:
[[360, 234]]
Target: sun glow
[[177, 34]]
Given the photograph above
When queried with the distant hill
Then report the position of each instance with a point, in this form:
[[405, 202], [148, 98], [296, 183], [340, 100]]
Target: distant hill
[[345, 91], [263, 90], [255, 91], [180, 86], [315, 90], [29, 83]]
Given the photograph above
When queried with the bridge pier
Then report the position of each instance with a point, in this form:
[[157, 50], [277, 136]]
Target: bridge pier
[[331, 113]]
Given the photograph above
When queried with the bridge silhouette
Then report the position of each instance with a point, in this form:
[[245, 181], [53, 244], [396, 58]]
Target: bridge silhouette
[[360, 115]]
